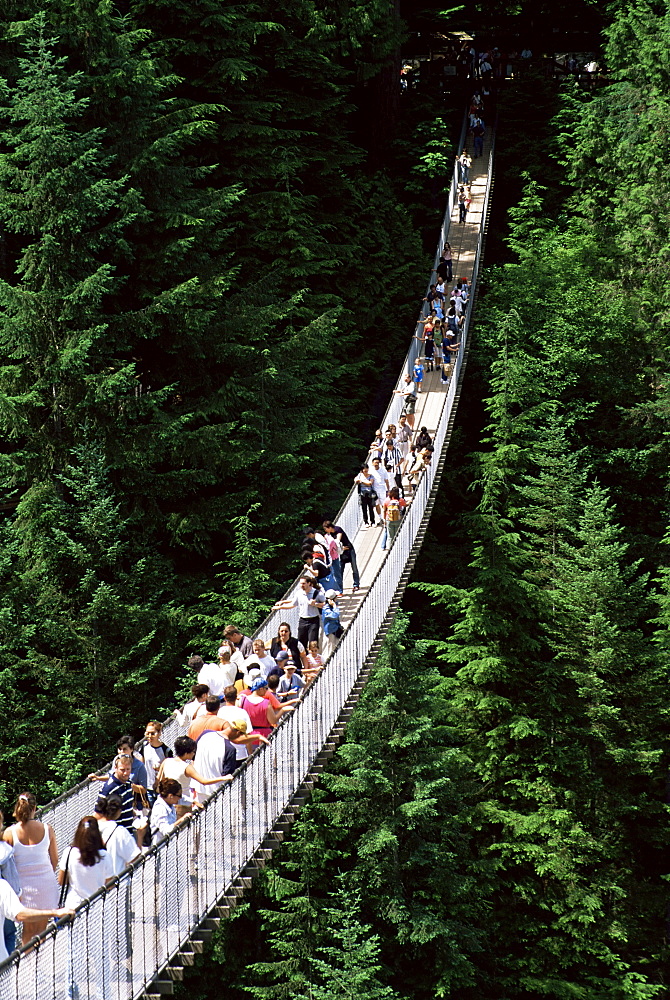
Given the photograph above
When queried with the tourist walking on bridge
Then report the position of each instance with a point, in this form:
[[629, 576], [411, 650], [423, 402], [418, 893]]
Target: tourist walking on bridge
[[117, 841], [120, 784], [241, 641], [394, 508], [284, 641], [309, 600], [464, 164], [366, 491], [445, 266], [380, 482], [86, 865], [348, 554], [36, 857], [462, 205]]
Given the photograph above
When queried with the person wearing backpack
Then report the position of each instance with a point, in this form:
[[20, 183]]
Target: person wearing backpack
[[332, 628], [394, 507]]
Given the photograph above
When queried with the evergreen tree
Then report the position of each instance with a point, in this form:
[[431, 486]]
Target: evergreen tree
[[547, 700], [292, 932], [398, 822], [55, 193], [347, 967], [87, 625]]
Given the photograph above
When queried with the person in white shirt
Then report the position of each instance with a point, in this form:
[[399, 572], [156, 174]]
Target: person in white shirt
[[309, 600], [195, 708], [11, 908], [408, 391], [261, 659], [366, 493], [153, 750], [218, 676], [85, 866], [119, 843], [182, 769], [237, 657], [380, 480], [163, 818], [215, 757]]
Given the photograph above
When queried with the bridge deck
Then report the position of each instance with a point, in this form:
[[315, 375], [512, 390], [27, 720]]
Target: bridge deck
[[463, 239]]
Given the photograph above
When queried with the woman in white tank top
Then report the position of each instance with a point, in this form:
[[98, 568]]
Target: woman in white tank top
[[36, 856]]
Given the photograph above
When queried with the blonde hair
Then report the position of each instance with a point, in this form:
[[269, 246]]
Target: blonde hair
[[25, 806]]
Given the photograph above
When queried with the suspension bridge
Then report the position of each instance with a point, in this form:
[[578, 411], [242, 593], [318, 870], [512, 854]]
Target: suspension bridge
[[134, 938]]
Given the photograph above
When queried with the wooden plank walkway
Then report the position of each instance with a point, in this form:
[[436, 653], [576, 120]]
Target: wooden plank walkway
[[463, 239]]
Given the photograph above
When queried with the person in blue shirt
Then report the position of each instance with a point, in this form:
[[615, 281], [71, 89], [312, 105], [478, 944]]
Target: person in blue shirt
[[331, 620], [417, 374], [125, 746]]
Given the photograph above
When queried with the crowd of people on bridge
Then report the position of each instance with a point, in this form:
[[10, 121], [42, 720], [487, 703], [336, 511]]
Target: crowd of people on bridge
[[238, 699]]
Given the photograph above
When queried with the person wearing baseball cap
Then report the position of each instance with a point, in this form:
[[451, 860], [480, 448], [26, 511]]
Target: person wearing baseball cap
[[291, 684]]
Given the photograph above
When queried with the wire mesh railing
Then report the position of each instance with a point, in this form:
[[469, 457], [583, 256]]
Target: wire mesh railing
[[123, 936]]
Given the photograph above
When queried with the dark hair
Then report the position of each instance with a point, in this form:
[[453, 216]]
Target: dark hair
[[109, 806], [230, 693], [328, 524], [394, 492], [213, 703], [88, 841], [273, 682], [169, 786], [184, 744], [125, 741], [196, 662], [199, 689], [24, 807], [284, 625], [364, 467]]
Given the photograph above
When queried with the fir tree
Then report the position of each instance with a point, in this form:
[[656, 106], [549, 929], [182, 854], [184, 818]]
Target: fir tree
[[56, 194]]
